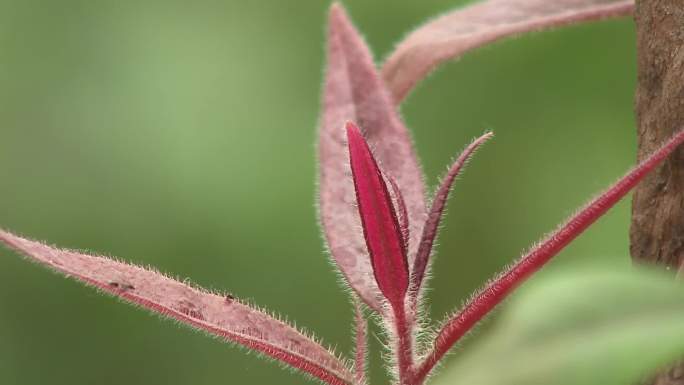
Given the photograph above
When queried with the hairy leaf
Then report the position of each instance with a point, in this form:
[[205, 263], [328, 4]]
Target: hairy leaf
[[381, 228], [451, 35], [354, 91], [594, 327], [220, 315]]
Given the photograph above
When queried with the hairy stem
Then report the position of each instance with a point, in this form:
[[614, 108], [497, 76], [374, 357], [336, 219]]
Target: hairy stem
[[498, 289], [404, 348]]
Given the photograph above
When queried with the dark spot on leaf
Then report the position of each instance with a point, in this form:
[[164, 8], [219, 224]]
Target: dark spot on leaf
[[192, 313], [121, 286]]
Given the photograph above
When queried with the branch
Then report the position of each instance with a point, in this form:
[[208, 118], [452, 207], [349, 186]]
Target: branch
[[384, 242]]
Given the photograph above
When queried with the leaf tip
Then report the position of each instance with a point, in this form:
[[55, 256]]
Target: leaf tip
[[337, 16], [353, 131], [337, 10]]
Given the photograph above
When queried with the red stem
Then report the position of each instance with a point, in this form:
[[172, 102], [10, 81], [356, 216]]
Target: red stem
[[404, 350], [496, 291]]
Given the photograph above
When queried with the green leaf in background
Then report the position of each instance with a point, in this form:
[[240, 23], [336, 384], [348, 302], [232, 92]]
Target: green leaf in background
[[601, 327]]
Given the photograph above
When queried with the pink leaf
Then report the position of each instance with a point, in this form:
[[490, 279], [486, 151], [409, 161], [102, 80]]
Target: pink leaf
[[451, 35], [354, 91], [436, 211], [499, 288], [381, 227], [223, 316]]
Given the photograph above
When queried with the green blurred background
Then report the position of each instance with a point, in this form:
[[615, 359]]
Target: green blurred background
[[182, 135]]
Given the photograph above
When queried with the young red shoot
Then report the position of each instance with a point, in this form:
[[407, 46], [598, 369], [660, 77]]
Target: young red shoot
[[381, 227], [384, 240]]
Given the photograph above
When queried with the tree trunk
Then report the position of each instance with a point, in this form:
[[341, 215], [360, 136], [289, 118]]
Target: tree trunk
[[657, 231]]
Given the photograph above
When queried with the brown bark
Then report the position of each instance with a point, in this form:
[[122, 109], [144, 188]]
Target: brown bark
[[657, 231]]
